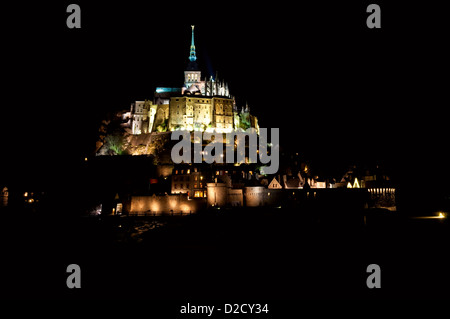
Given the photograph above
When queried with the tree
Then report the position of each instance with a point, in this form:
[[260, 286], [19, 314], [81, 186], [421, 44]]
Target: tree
[[115, 142], [244, 121], [163, 126], [111, 135]]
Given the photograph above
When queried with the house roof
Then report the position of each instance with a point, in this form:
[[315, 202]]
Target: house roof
[[274, 183], [292, 183]]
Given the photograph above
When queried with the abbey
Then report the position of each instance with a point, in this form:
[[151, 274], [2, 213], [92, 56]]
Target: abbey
[[201, 104]]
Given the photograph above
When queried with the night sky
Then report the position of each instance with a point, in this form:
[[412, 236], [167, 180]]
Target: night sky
[[338, 91]]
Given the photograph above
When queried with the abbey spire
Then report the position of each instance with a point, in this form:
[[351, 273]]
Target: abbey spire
[[192, 56], [192, 75], [193, 83]]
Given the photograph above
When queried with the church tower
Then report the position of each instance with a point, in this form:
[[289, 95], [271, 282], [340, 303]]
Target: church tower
[[192, 75], [192, 56]]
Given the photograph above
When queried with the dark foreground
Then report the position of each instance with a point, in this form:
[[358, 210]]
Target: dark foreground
[[261, 254]]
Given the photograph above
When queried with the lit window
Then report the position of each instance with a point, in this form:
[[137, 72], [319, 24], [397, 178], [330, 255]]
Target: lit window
[[198, 194], [188, 171]]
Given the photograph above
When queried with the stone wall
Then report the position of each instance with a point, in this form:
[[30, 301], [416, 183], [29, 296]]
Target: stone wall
[[382, 198], [235, 197], [165, 204], [217, 194], [261, 196], [254, 196]]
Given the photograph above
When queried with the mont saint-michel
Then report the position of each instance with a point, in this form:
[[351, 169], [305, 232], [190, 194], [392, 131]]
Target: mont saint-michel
[[136, 152], [205, 104]]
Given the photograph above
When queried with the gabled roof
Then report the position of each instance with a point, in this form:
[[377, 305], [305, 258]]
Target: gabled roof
[[275, 184]]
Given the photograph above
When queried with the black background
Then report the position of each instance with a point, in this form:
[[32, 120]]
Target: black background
[[339, 92]]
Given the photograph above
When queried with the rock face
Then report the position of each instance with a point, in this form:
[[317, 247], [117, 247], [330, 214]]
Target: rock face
[[155, 143], [147, 144]]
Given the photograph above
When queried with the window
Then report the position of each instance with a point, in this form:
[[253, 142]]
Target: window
[[198, 194]]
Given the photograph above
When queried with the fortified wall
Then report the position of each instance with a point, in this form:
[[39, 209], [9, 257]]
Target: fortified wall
[[155, 205]]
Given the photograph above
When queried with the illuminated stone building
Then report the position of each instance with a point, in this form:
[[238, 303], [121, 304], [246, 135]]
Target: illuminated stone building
[[201, 113], [201, 104], [143, 114], [187, 180]]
